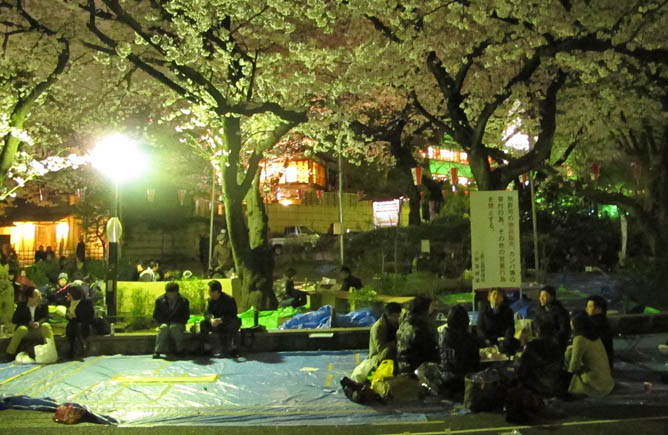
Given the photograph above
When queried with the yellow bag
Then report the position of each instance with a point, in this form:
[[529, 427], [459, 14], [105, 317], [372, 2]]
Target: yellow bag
[[384, 370]]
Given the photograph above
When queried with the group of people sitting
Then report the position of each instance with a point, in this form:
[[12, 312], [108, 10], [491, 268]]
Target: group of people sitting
[[570, 355], [171, 312], [31, 318]]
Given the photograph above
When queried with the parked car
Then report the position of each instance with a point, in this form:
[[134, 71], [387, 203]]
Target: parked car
[[295, 236]]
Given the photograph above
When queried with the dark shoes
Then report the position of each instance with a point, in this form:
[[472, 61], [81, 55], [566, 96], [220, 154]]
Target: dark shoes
[[156, 355]]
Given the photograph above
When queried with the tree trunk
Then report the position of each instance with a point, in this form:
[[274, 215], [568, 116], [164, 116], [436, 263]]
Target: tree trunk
[[251, 264]]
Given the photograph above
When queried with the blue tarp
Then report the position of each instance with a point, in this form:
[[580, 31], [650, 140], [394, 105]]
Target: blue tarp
[[287, 388], [318, 319], [361, 317]]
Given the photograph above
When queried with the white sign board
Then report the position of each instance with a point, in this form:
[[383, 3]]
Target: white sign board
[[386, 213], [495, 239]]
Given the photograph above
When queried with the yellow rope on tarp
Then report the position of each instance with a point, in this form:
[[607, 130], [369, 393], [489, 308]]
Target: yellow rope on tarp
[[185, 379]]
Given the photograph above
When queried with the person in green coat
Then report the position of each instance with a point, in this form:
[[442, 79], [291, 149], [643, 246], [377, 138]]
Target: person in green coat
[[587, 361]]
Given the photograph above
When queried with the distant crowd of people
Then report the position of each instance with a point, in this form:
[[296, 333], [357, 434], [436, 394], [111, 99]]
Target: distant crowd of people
[[570, 355]]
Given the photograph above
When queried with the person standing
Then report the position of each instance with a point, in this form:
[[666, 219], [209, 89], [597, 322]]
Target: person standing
[[171, 311], [223, 261], [31, 318], [221, 321], [81, 249]]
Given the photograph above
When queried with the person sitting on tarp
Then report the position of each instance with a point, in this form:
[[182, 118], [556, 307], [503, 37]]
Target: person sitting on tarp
[[587, 360], [80, 314], [597, 309], [171, 311], [31, 318], [496, 324], [552, 320], [287, 294], [382, 342], [459, 350], [417, 341], [348, 280], [220, 320]]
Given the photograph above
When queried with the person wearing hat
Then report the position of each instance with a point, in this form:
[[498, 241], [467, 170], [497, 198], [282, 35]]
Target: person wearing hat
[[552, 320], [222, 258], [31, 318], [60, 297]]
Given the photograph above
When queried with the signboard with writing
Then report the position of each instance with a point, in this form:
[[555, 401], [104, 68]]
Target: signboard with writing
[[386, 213], [495, 239]]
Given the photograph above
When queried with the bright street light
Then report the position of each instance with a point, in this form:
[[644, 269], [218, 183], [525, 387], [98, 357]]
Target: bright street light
[[120, 159]]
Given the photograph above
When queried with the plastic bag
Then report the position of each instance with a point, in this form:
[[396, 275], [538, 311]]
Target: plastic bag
[[69, 414], [46, 353], [362, 370], [384, 370], [23, 358]]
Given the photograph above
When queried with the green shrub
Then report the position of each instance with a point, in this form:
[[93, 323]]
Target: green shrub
[[37, 273], [195, 291], [96, 268], [141, 311]]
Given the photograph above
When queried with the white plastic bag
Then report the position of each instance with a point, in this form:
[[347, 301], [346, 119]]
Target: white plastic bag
[[362, 370], [46, 353], [23, 358]]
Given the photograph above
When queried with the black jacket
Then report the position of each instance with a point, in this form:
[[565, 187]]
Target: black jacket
[[224, 308], [492, 325], [417, 342], [84, 312], [351, 282], [180, 313], [554, 324], [22, 314], [602, 328]]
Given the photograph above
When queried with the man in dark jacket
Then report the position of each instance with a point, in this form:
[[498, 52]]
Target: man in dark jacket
[[80, 315], [552, 320], [348, 280], [496, 323], [171, 311], [31, 318], [221, 320], [597, 309]]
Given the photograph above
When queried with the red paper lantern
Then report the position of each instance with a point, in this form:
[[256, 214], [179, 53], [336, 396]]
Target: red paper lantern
[[595, 168], [525, 178], [453, 176]]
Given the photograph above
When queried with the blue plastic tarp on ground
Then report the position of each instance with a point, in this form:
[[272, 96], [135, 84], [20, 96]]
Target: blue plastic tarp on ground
[[286, 388]]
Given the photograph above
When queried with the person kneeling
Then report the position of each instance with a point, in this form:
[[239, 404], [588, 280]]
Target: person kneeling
[[220, 320], [80, 315], [171, 311], [32, 322]]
